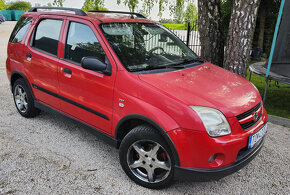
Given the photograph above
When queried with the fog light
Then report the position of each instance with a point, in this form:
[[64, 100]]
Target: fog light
[[212, 158], [216, 160]]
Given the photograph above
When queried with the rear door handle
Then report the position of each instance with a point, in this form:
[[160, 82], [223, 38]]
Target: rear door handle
[[66, 70], [28, 55]]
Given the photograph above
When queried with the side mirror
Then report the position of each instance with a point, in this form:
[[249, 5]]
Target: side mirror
[[92, 63]]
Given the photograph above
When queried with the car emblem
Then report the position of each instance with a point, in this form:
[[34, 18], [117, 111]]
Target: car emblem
[[255, 116]]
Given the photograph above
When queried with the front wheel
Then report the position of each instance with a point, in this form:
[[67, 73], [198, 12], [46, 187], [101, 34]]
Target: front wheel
[[146, 158]]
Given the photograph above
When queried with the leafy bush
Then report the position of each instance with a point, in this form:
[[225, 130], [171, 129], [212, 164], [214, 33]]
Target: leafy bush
[[175, 26], [19, 5]]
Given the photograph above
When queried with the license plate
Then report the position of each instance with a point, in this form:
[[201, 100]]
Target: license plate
[[256, 137]]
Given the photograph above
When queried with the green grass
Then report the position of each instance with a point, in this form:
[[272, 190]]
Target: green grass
[[277, 100], [175, 26]]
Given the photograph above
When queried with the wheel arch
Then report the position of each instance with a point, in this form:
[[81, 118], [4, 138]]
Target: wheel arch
[[16, 75], [127, 123]]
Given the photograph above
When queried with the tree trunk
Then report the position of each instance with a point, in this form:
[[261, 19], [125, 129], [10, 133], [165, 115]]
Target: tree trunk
[[240, 35], [262, 26], [210, 31]]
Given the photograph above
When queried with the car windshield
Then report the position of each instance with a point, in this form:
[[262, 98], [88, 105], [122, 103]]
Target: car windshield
[[146, 46]]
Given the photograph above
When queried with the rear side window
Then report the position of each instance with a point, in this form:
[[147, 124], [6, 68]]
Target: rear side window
[[82, 42], [20, 30], [46, 36]]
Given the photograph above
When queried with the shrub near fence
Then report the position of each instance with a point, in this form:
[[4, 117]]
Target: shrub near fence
[[11, 15]]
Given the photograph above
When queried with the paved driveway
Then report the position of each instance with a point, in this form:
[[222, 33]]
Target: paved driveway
[[52, 155]]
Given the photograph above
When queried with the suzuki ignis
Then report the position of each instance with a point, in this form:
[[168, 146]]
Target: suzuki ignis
[[140, 88]]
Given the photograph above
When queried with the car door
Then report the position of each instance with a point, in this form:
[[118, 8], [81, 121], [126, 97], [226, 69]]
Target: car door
[[86, 95], [42, 59]]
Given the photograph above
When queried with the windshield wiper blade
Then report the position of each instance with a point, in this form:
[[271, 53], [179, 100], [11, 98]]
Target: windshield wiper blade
[[188, 61]]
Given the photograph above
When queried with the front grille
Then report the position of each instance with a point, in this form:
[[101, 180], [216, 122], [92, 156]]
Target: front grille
[[249, 113]]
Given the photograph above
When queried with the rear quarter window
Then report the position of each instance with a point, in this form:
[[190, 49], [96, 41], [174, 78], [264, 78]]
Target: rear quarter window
[[20, 29]]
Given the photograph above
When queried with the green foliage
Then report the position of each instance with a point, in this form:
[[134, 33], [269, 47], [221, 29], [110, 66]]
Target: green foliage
[[132, 4], [19, 5], [49, 5], [226, 6], [58, 3], [191, 15], [175, 26], [271, 10], [2, 5], [277, 101], [147, 5], [94, 5], [177, 11]]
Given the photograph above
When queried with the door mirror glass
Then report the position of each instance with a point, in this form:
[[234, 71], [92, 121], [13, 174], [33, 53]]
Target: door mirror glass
[[92, 63]]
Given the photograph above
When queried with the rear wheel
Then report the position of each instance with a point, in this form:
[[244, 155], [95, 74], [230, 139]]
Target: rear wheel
[[23, 99], [146, 158]]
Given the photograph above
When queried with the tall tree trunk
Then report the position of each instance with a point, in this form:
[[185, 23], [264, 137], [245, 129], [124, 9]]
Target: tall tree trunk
[[210, 31], [240, 35], [262, 16]]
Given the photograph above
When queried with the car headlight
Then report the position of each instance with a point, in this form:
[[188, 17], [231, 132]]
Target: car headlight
[[214, 121]]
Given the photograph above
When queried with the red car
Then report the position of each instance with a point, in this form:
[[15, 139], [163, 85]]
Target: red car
[[171, 113]]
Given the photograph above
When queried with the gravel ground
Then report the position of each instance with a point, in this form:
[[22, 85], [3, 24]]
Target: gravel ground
[[53, 155]]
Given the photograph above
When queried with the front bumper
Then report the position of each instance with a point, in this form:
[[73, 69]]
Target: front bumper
[[196, 174]]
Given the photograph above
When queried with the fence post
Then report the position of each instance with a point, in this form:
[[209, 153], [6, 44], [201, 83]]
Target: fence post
[[188, 33]]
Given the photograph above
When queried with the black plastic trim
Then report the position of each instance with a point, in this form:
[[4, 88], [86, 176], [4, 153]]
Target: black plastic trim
[[70, 101], [154, 124], [107, 138], [22, 76], [118, 12], [195, 174], [78, 12], [249, 112]]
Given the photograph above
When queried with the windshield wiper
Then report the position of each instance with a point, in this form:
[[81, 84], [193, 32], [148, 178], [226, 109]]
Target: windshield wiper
[[179, 65], [185, 62]]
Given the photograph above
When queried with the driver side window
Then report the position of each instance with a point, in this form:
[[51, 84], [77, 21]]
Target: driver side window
[[82, 42]]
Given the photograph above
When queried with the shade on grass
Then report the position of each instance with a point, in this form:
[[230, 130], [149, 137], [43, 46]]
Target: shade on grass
[[278, 99]]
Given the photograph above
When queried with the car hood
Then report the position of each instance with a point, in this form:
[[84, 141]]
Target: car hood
[[207, 85]]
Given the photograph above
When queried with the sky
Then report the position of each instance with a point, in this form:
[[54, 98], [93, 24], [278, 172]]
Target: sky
[[110, 4]]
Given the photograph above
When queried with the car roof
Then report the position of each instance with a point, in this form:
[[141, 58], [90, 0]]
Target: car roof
[[100, 16]]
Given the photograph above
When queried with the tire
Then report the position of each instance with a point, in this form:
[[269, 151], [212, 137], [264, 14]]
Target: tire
[[23, 99], [146, 158]]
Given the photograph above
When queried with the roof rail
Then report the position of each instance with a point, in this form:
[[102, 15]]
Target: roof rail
[[77, 11], [119, 12]]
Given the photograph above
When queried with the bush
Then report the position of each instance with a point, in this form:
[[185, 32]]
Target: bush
[[19, 5], [175, 26]]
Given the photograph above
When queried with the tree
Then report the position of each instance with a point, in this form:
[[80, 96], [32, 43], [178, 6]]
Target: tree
[[240, 35], [132, 4], [191, 15], [2, 5], [210, 31], [226, 6], [19, 5], [177, 11], [147, 5], [266, 20], [94, 5], [49, 4], [58, 3]]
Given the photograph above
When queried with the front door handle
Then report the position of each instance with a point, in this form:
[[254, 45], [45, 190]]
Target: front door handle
[[67, 70]]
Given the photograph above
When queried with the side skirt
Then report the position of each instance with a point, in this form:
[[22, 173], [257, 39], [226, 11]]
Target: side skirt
[[108, 139]]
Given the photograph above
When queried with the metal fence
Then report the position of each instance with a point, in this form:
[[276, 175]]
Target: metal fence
[[190, 37]]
